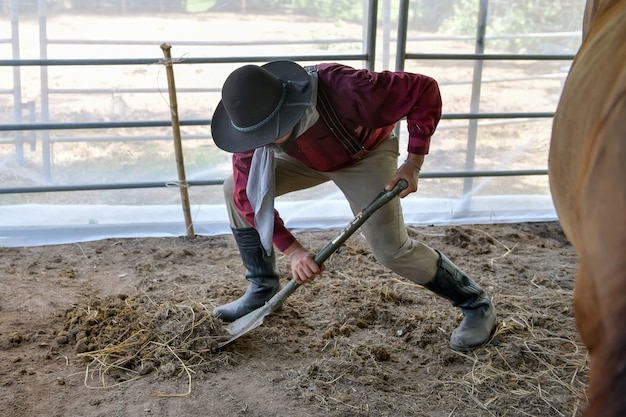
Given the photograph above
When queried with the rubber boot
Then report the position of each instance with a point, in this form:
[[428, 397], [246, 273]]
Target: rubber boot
[[479, 315], [261, 272]]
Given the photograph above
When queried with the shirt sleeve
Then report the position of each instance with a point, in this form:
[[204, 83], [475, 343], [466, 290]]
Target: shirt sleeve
[[282, 238], [379, 99]]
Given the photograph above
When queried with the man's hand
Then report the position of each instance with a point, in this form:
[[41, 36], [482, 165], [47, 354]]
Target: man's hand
[[303, 266], [408, 171]]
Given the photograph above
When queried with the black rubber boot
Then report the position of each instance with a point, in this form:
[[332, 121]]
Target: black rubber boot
[[479, 315], [261, 272]]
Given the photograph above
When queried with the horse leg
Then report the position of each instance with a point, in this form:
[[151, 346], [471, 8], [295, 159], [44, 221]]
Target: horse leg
[[600, 296]]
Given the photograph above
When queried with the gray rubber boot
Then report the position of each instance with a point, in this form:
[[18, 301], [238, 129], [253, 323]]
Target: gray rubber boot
[[261, 272], [479, 315]]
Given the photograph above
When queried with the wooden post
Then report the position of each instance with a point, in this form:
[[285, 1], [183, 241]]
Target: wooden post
[[182, 181]]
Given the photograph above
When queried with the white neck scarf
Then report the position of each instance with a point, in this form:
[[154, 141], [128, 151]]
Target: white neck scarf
[[261, 187]]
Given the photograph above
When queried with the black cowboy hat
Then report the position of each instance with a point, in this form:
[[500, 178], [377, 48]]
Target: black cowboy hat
[[259, 105]]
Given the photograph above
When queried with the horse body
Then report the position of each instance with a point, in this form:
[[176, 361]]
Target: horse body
[[587, 169]]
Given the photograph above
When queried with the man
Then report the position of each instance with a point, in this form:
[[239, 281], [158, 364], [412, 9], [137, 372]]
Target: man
[[291, 128]]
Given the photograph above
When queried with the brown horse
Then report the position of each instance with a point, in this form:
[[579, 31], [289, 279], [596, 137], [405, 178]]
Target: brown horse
[[587, 170]]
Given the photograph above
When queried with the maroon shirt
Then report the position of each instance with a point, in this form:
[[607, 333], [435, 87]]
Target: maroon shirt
[[363, 100]]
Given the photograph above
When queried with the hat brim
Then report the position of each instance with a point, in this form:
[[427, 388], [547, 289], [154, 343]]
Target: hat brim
[[297, 98]]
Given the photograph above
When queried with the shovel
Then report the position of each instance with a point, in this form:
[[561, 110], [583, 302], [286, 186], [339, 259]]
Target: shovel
[[254, 319]]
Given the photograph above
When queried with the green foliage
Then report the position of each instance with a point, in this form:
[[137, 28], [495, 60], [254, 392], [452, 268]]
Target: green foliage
[[192, 6], [326, 9], [510, 17], [462, 21], [339, 9], [427, 15]]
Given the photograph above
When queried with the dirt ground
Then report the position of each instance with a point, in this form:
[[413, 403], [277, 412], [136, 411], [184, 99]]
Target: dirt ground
[[357, 341]]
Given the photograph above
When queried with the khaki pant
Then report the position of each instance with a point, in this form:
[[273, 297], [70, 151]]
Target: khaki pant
[[385, 231]]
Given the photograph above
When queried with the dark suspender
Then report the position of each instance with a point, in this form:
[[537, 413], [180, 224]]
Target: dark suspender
[[330, 117]]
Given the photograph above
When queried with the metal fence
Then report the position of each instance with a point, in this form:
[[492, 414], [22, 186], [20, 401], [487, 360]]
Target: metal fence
[[22, 130]]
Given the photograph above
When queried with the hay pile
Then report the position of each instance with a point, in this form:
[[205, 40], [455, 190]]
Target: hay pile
[[122, 338]]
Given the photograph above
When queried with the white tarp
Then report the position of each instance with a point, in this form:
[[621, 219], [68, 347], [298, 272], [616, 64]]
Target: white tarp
[[33, 225]]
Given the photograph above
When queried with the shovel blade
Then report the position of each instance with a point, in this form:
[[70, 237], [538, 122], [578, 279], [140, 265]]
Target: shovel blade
[[254, 319], [243, 325]]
